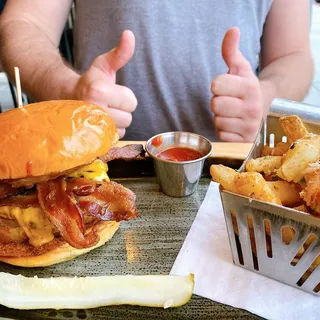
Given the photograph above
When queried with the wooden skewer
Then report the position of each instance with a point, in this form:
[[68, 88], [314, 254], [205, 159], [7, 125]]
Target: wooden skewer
[[18, 86]]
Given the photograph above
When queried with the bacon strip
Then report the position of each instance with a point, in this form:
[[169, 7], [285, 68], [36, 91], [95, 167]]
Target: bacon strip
[[63, 212], [100, 210], [65, 202], [128, 152], [105, 200], [81, 186], [121, 199]]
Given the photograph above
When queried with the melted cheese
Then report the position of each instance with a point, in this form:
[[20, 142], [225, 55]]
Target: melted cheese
[[97, 171], [33, 221]]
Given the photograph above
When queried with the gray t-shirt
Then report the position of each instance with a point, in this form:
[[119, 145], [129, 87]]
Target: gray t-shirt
[[178, 54]]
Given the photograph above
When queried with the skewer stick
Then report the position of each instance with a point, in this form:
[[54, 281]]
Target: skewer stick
[[18, 87]]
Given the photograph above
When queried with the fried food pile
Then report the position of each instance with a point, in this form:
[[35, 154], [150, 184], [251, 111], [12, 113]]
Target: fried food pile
[[287, 174]]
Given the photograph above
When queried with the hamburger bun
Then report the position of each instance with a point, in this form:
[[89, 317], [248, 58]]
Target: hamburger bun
[[45, 143], [53, 136], [64, 252]]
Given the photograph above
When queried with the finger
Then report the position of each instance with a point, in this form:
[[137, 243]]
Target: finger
[[118, 57], [121, 119], [229, 136], [121, 132], [247, 129], [224, 106], [236, 62], [234, 125], [113, 96], [234, 86]]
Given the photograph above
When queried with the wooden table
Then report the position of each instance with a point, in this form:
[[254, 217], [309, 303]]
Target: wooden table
[[221, 150]]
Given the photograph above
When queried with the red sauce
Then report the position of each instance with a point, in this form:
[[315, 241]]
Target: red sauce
[[179, 154], [29, 168], [157, 141]]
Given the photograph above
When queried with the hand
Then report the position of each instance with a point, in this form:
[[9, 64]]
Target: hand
[[98, 83], [237, 100]]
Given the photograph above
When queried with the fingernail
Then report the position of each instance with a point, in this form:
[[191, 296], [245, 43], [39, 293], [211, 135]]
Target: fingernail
[[213, 86]]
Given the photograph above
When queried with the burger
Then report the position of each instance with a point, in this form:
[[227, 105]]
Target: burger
[[56, 199]]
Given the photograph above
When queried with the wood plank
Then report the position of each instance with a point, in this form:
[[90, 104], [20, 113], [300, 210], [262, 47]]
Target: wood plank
[[220, 149]]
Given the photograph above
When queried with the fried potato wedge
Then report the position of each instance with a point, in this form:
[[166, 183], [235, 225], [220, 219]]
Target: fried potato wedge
[[279, 150], [311, 193], [288, 235], [266, 165], [301, 208], [225, 176], [288, 193], [253, 185], [300, 154], [293, 127]]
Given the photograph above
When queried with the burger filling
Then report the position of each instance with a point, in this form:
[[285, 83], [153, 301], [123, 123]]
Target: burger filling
[[66, 208]]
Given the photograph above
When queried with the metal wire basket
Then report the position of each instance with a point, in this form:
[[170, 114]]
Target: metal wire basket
[[265, 252]]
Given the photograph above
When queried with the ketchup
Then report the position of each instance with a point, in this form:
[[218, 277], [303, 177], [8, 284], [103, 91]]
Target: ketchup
[[29, 168], [157, 141], [179, 154]]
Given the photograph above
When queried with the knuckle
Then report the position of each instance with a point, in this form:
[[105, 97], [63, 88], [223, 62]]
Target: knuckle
[[89, 92], [121, 132], [252, 129], [100, 64], [216, 84], [214, 105], [217, 122], [127, 119], [220, 135], [129, 99], [252, 110], [250, 90], [251, 86]]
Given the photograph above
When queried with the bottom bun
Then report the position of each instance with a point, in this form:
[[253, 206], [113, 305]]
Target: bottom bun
[[106, 230]]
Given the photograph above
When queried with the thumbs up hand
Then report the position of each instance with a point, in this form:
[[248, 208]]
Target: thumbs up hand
[[237, 100], [98, 83]]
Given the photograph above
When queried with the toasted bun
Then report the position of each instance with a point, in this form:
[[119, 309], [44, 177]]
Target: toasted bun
[[53, 136], [64, 252]]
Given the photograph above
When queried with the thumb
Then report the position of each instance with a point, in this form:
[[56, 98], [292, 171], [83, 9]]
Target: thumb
[[237, 63], [118, 57]]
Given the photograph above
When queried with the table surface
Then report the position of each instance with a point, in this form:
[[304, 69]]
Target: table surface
[[147, 245]]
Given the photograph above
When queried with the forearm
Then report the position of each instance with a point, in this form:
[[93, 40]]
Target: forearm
[[288, 77], [43, 72]]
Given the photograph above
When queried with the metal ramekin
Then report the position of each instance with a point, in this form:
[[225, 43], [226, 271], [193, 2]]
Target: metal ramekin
[[179, 179]]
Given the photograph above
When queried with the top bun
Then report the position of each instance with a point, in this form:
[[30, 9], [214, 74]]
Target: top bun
[[53, 136]]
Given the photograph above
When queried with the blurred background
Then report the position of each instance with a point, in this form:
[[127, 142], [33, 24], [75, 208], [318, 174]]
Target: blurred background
[[7, 96]]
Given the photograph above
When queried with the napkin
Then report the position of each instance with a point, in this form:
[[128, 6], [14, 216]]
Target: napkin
[[206, 253]]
